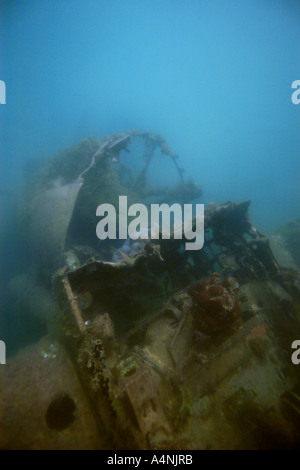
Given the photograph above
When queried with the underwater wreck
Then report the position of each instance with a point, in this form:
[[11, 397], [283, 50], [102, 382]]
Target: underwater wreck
[[150, 346]]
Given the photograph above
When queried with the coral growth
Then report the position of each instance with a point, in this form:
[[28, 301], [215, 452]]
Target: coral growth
[[215, 309], [259, 342]]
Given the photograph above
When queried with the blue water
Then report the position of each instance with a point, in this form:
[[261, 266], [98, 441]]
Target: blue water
[[213, 76]]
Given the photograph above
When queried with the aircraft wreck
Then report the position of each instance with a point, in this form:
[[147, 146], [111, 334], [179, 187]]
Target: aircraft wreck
[[150, 346]]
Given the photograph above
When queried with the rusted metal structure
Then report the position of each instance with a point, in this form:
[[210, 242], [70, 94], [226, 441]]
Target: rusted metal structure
[[165, 349]]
